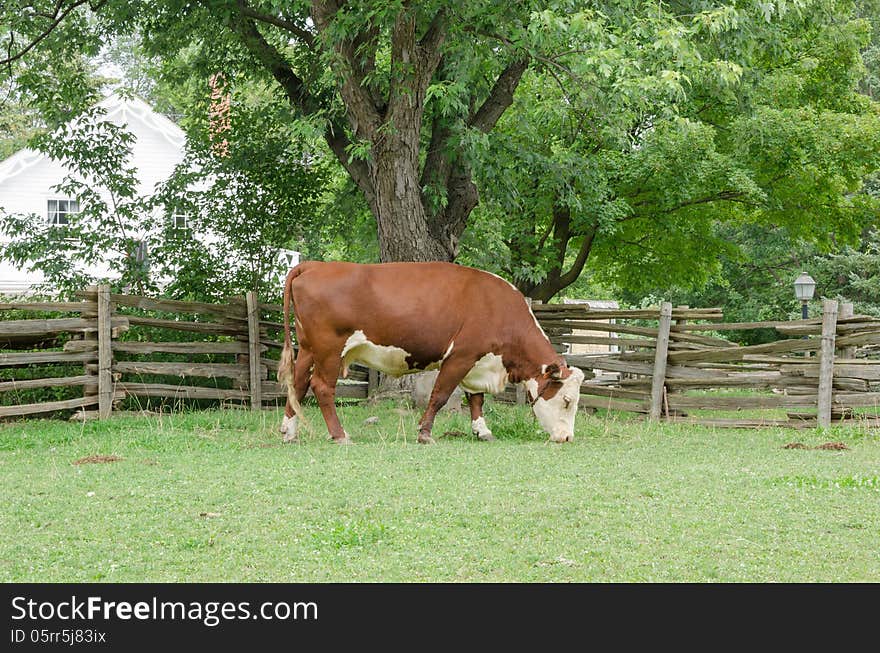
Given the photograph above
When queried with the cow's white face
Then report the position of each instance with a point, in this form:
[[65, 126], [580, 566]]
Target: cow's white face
[[556, 414]]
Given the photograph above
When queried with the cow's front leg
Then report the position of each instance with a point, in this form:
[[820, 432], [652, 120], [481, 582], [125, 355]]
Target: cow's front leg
[[478, 423], [451, 373]]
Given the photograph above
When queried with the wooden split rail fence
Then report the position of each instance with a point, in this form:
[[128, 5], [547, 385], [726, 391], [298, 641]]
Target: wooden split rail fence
[[661, 363], [671, 363], [226, 352]]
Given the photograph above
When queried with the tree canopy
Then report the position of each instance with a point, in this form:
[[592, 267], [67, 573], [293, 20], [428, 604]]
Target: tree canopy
[[550, 142]]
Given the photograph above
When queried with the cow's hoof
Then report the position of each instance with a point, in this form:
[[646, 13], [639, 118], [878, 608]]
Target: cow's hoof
[[425, 439], [345, 440], [290, 439], [486, 436]]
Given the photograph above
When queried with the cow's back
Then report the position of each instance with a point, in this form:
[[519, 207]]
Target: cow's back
[[419, 307]]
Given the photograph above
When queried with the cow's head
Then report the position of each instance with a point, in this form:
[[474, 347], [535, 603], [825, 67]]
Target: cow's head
[[554, 395]]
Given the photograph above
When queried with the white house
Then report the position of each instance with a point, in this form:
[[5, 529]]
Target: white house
[[27, 177]]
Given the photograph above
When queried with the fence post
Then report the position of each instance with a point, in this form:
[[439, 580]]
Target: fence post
[[105, 353], [826, 362], [846, 310], [659, 380], [91, 389], [253, 315], [372, 381]]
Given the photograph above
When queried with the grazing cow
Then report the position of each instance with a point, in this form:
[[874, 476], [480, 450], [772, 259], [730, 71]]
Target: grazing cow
[[398, 318]]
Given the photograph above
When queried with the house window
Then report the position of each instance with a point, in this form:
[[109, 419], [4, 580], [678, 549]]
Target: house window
[[62, 212], [179, 220]]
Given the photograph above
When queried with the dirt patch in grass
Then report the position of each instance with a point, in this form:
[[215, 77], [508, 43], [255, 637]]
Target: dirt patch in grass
[[88, 460], [828, 446], [833, 446]]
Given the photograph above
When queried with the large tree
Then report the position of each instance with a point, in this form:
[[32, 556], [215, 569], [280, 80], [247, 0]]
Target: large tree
[[373, 75]]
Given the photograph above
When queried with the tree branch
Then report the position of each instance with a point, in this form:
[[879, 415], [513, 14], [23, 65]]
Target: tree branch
[[299, 96], [500, 97], [583, 254], [59, 13], [363, 107], [269, 56], [304, 35]]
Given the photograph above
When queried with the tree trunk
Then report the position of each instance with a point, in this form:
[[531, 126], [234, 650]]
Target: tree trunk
[[389, 119], [401, 218], [556, 280]]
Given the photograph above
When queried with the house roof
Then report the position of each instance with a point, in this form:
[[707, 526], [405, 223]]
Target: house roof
[[118, 110]]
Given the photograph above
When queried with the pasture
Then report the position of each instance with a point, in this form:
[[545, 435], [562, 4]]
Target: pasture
[[214, 496]]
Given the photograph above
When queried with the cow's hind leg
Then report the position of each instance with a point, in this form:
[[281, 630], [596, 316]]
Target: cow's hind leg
[[324, 387], [451, 373], [302, 374], [478, 423]]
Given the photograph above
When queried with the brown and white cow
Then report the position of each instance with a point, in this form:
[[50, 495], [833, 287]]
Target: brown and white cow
[[398, 318]]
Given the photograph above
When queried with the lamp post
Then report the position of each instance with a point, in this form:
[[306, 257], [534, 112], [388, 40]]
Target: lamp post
[[804, 287]]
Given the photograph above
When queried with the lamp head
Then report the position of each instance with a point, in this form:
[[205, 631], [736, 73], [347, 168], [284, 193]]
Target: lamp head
[[804, 287]]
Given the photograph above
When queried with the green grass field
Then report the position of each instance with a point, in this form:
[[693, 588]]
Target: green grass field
[[214, 496]]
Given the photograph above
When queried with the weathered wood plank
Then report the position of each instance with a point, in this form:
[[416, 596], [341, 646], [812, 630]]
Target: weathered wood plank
[[706, 341], [614, 391], [39, 357], [632, 314], [52, 382], [826, 361], [132, 347], [81, 345], [209, 370], [716, 402], [846, 312], [172, 305], [253, 314], [609, 403], [745, 380], [600, 340], [742, 326], [66, 307], [181, 391], [105, 353], [738, 353], [51, 406], [659, 373], [866, 372], [41, 327], [842, 328], [274, 390], [590, 325], [855, 399], [869, 337], [194, 327]]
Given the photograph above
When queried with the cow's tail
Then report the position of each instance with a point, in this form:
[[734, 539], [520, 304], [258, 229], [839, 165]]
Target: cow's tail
[[287, 362]]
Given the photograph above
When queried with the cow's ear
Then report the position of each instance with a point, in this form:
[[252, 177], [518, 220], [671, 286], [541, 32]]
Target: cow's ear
[[552, 371]]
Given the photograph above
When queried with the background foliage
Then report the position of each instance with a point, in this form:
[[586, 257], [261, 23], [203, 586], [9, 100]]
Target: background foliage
[[697, 152]]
